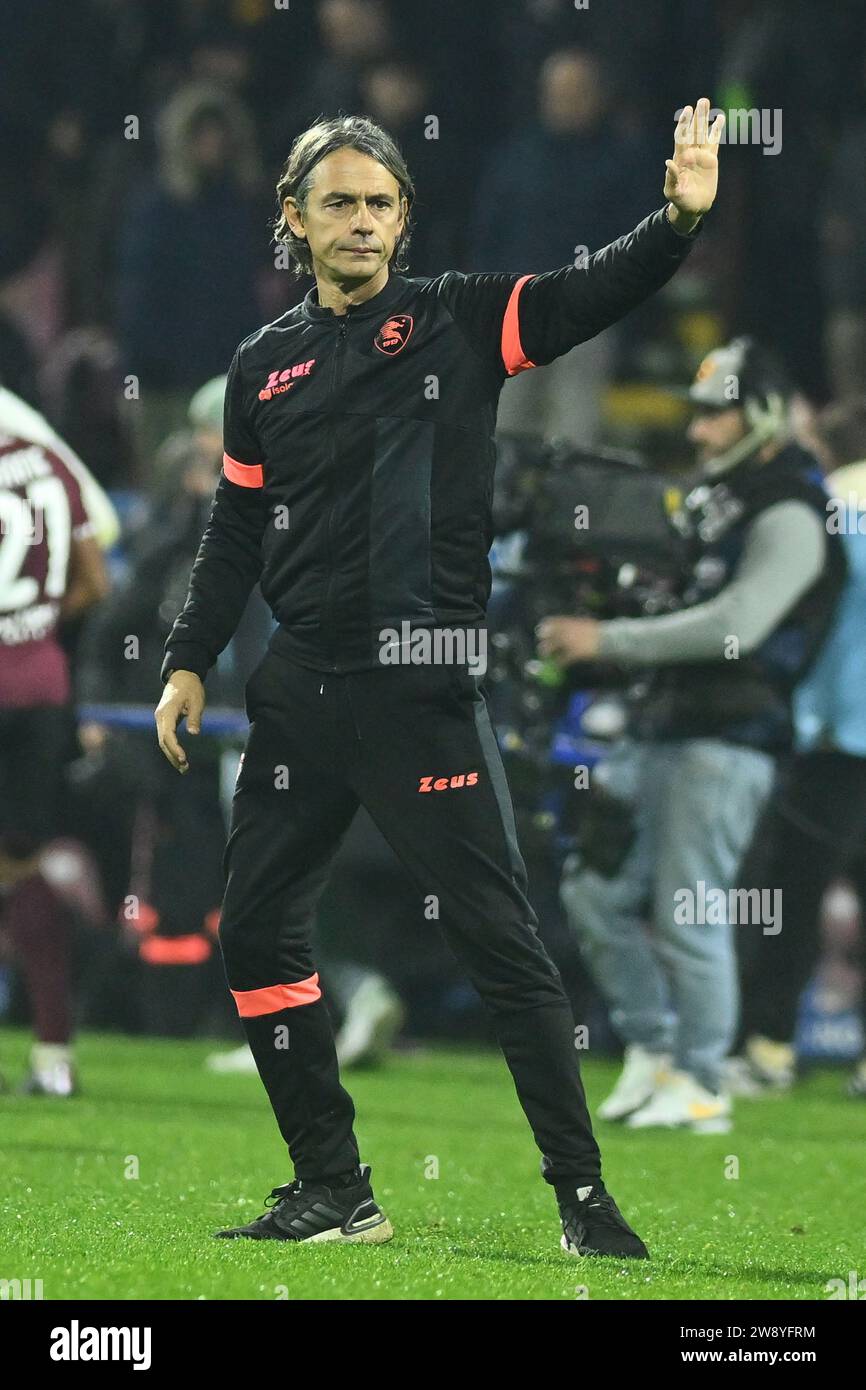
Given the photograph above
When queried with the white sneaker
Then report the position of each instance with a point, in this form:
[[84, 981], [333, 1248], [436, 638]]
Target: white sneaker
[[680, 1102], [52, 1072], [58, 1080], [774, 1063], [240, 1059], [641, 1073], [374, 1017], [740, 1080]]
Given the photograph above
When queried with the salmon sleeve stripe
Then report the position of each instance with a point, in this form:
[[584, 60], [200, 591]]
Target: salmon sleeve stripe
[[244, 474]]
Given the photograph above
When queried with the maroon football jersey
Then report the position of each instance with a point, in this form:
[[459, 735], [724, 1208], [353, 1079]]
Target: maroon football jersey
[[41, 511]]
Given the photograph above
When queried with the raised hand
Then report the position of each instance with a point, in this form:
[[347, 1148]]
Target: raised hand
[[692, 175]]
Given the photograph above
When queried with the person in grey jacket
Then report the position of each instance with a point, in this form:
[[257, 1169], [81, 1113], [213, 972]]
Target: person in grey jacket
[[705, 734]]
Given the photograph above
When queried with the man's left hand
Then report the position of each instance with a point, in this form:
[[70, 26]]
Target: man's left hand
[[692, 175], [566, 640]]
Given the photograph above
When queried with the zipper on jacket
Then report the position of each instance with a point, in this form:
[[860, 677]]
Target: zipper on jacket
[[335, 377]]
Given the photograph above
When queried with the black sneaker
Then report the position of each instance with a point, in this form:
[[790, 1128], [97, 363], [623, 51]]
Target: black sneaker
[[329, 1209], [592, 1224]]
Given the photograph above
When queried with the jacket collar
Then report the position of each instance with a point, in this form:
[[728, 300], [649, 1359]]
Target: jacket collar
[[394, 289]]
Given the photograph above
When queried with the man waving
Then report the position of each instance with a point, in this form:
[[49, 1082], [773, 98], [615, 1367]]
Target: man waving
[[357, 487]]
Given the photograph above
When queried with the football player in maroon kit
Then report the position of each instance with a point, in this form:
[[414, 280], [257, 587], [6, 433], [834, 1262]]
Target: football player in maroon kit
[[51, 569]]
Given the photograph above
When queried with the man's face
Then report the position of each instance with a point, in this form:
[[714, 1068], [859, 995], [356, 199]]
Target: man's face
[[716, 431], [353, 217], [570, 93]]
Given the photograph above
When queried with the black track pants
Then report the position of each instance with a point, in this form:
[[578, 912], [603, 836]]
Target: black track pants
[[813, 830], [415, 746]]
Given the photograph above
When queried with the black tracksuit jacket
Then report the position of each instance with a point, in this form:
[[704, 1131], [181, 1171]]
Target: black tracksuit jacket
[[359, 453]]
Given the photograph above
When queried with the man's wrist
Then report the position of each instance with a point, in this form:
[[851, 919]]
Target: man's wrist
[[616, 638], [683, 223], [185, 656], [185, 670]]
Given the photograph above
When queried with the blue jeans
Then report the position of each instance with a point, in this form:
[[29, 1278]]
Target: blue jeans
[[671, 984]]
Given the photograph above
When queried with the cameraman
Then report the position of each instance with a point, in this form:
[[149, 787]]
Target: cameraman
[[681, 795]]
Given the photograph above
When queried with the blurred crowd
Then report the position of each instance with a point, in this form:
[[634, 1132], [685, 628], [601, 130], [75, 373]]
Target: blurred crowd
[[143, 143]]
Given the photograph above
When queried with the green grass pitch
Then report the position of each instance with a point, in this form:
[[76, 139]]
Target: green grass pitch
[[206, 1152]]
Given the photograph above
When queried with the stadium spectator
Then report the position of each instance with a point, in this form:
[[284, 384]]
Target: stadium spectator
[[660, 52], [352, 34], [191, 227], [551, 194], [81, 390], [679, 799]]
